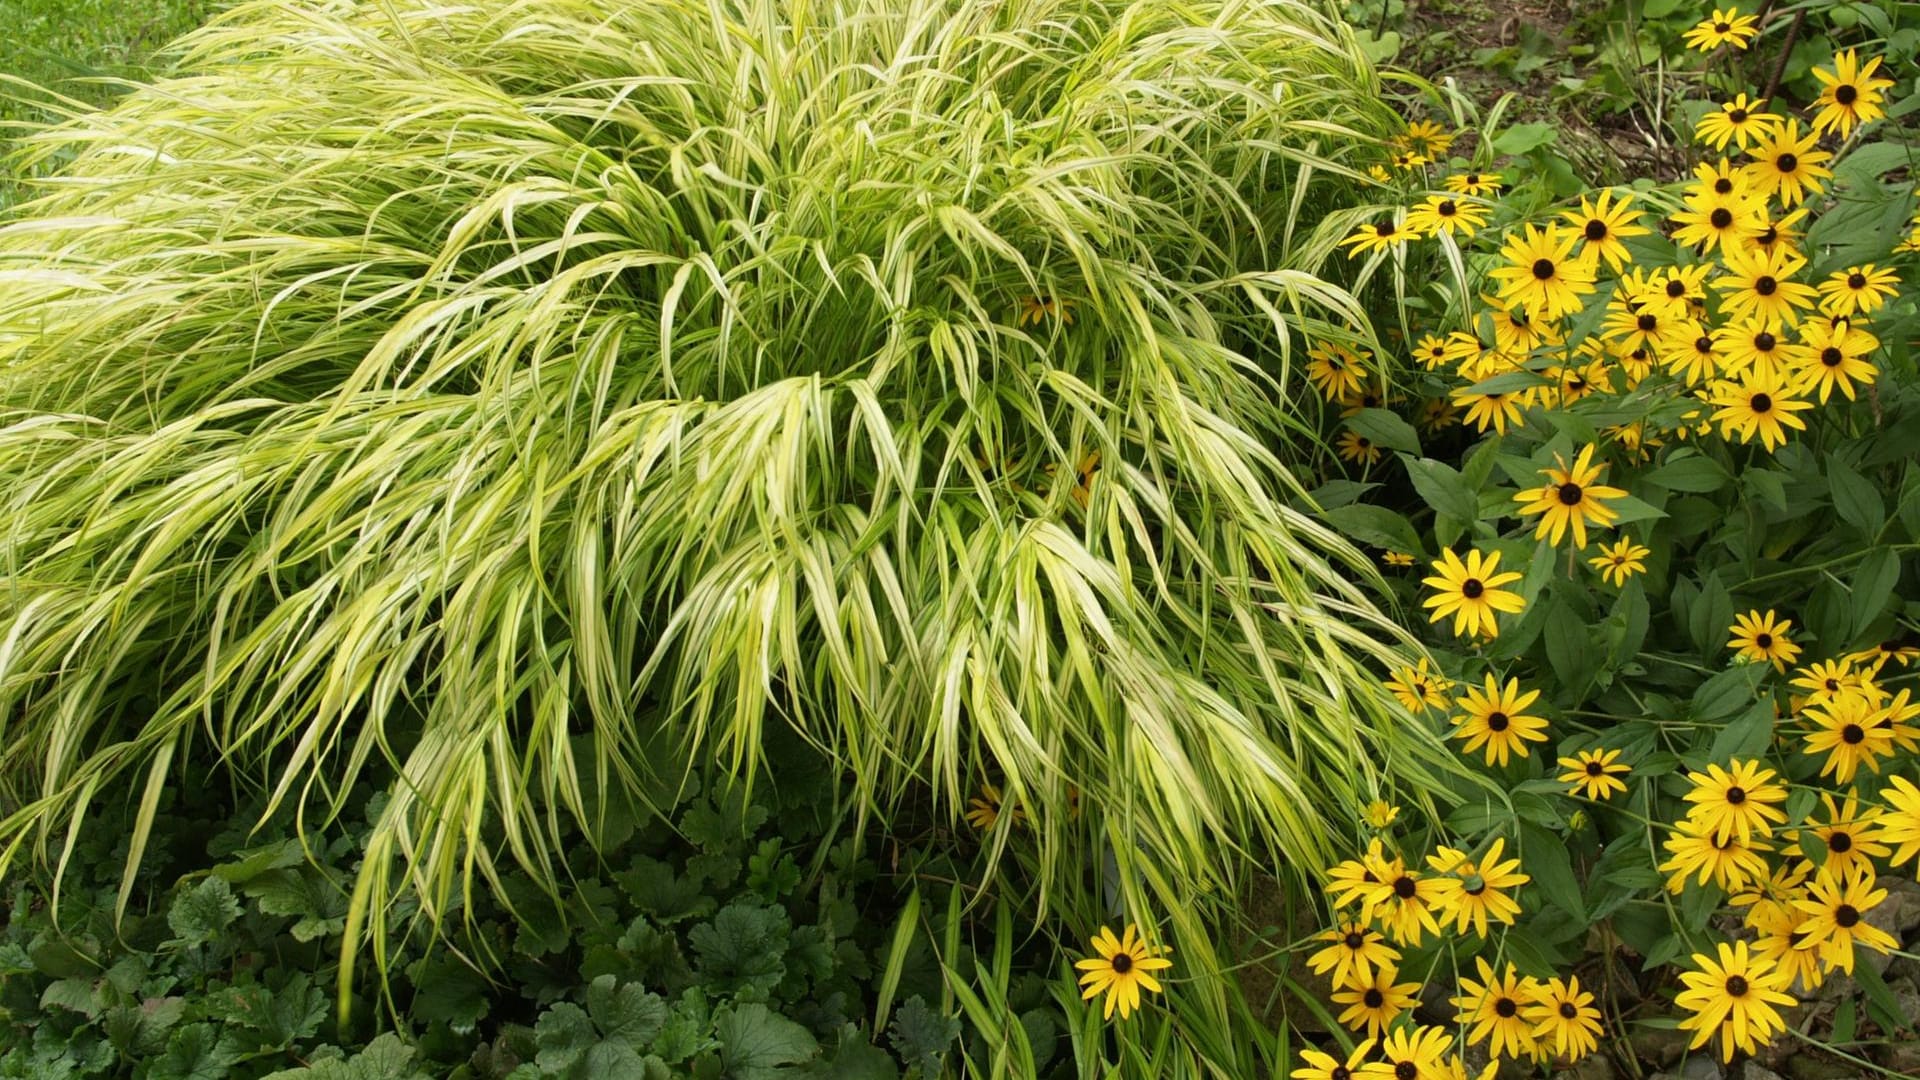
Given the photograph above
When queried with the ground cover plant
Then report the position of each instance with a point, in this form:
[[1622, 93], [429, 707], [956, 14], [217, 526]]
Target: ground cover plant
[[575, 539]]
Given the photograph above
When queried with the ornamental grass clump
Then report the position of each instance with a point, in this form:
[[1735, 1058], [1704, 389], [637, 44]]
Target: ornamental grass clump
[[478, 399]]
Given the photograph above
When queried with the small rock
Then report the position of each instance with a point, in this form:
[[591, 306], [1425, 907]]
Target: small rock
[[1753, 1070], [1659, 1046], [1903, 1058], [1903, 902], [1696, 1067], [1591, 1067], [1819, 1067]]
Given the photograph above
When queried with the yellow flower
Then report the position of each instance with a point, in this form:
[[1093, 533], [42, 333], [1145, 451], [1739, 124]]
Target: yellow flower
[[1470, 592], [1723, 27], [1495, 719], [1849, 94], [1473, 183], [1858, 290], [1397, 558], [1900, 822], [1541, 275], [1727, 861], [1336, 370], [1594, 773], [1836, 906], [1380, 813], [1440, 214], [1620, 560], [1403, 901], [1825, 680], [1419, 688], [1851, 839], [1490, 410], [1722, 224], [1493, 1006], [1570, 497], [984, 810], [1758, 404], [1835, 356], [1763, 639], [1739, 121], [1123, 969], [1601, 226], [1759, 350], [1426, 137], [1848, 728], [1356, 951], [1757, 284], [1381, 236], [1034, 309], [1416, 1054], [1564, 1019], [1734, 998], [1372, 1004], [1327, 1067], [1737, 801], [1357, 448], [1787, 165], [1477, 890]]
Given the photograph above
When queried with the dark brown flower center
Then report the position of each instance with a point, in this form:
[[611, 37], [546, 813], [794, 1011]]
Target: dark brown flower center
[[1833, 686], [1736, 986], [1764, 341], [1506, 1007], [1472, 588], [1407, 1070], [1721, 217], [1373, 999], [1405, 888], [1853, 735], [1122, 963], [1570, 494], [1738, 116], [1543, 269], [1676, 289], [1447, 208], [1646, 322], [1594, 768], [1736, 795], [1473, 179], [1596, 229], [1723, 186], [1567, 1010], [1356, 940], [1846, 916], [1772, 234], [1764, 641], [1831, 356], [1721, 28], [1497, 721], [1765, 286], [1383, 229], [1761, 403], [1856, 281], [1786, 163], [1840, 843], [1340, 1073], [1846, 93], [1703, 344]]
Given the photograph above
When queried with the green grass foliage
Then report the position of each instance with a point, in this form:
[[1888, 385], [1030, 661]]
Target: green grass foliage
[[459, 396]]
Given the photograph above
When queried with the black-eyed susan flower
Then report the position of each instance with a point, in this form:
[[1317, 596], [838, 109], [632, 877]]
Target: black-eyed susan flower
[[1759, 285], [1578, 381], [1321, 1066], [1403, 903], [1763, 639], [1848, 729], [1733, 997], [1473, 183], [1779, 934], [1491, 1010], [1515, 333], [1718, 183], [1442, 214], [1787, 166], [1858, 290], [1776, 232], [1757, 349], [1739, 801], [1900, 821], [1409, 160], [1774, 892], [1724, 27], [1697, 360], [985, 809], [1620, 560], [1373, 1004], [1420, 688], [1357, 448], [1676, 292], [1416, 1053], [1836, 906], [1564, 1019], [1594, 773], [1426, 137], [1646, 326], [1572, 498], [1476, 890], [1434, 415], [1037, 309], [1849, 94], [1124, 967], [1824, 680], [1471, 592], [1436, 353], [1894, 717], [1397, 559], [1496, 411], [1380, 813], [1758, 405], [1541, 275], [1739, 121], [1337, 371], [1496, 718], [1602, 224], [1352, 879], [1354, 952], [1875, 658], [1851, 838], [1721, 224], [1695, 851], [1834, 356], [1379, 236]]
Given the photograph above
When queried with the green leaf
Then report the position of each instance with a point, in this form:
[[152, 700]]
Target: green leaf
[[628, 1013], [1547, 860], [1855, 499], [921, 1036], [1443, 489], [304, 894], [564, 1034], [1375, 526], [1748, 734], [742, 948], [1521, 138], [194, 1052], [1880, 1000], [854, 1058], [449, 991], [1629, 509], [1699, 474], [1875, 585], [1386, 430], [756, 1042], [1508, 382], [202, 913], [387, 1057], [1569, 647], [1727, 692]]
